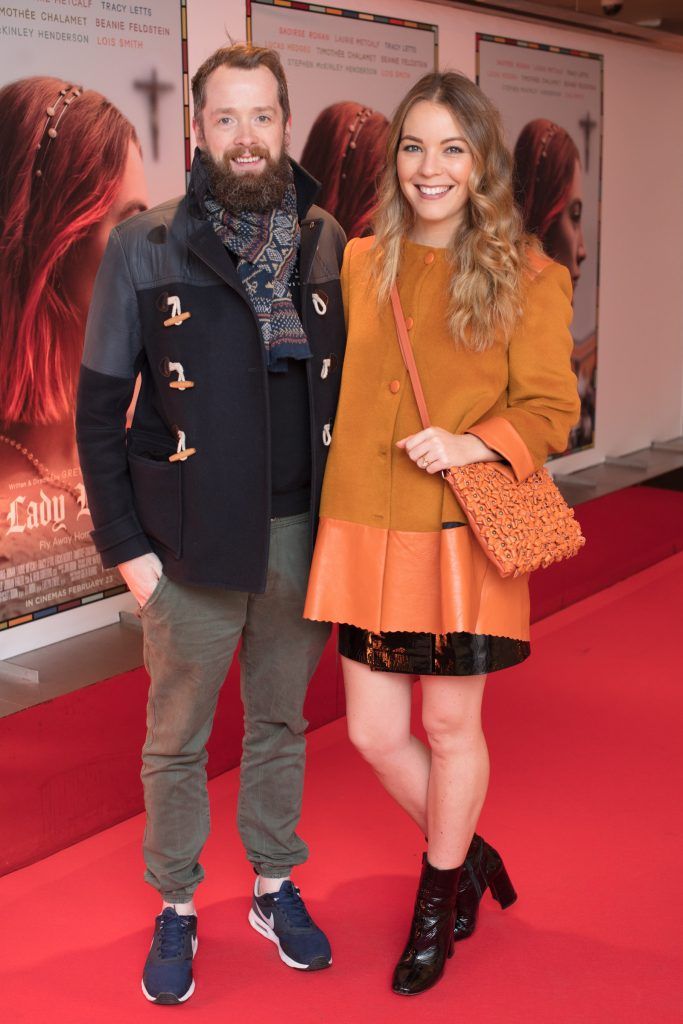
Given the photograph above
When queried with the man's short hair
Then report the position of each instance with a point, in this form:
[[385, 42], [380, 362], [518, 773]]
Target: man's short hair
[[240, 55]]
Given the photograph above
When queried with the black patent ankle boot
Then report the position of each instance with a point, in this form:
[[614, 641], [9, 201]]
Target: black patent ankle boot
[[431, 940], [483, 869]]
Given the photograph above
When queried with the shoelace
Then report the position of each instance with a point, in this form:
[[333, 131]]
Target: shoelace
[[294, 907], [172, 930]]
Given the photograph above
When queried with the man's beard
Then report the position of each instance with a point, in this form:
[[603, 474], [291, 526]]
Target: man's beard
[[247, 192]]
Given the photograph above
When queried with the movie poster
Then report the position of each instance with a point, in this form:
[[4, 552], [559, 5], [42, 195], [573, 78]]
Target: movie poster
[[94, 127], [346, 72], [551, 103]]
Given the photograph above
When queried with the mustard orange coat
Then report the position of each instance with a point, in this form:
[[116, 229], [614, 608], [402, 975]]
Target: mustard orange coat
[[392, 552]]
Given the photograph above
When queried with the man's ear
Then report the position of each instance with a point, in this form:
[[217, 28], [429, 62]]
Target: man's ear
[[288, 132], [198, 130]]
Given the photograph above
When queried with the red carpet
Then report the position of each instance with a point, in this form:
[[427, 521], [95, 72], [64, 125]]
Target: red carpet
[[584, 804], [84, 767]]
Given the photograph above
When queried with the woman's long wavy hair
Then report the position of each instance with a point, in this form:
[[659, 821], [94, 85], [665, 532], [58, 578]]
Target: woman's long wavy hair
[[489, 253], [41, 221]]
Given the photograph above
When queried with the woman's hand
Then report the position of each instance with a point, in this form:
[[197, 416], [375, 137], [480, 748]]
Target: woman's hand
[[436, 449]]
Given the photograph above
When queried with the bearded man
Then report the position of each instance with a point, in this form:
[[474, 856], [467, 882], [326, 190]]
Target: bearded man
[[226, 304]]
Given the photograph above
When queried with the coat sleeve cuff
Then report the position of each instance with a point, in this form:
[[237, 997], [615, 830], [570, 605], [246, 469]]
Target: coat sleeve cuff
[[120, 541], [499, 435]]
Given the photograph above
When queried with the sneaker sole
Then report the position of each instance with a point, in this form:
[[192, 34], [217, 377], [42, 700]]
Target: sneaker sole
[[167, 998], [260, 926], [170, 998]]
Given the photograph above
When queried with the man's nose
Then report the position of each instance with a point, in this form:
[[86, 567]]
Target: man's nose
[[245, 135]]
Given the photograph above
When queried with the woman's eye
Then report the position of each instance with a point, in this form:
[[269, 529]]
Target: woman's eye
[[410, 147], [455, 149]]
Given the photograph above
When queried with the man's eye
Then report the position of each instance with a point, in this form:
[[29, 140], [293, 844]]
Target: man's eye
[[263, 118]]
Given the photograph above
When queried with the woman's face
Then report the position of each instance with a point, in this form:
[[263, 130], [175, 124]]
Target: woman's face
[[434, 163], [86, 255], [564, 240]]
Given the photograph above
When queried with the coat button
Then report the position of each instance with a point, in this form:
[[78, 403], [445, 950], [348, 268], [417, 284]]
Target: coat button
[[429, 258], [409, 322], [395, 387]]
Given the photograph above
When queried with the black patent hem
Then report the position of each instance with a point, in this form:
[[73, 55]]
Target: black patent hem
[[431, 654]]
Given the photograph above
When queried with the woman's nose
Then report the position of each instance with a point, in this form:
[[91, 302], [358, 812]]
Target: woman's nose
[[581, 248], [430, 164]]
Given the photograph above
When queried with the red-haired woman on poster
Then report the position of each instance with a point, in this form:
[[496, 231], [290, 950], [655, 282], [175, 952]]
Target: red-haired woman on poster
[[346, 152], [548, 183], [71, 170]]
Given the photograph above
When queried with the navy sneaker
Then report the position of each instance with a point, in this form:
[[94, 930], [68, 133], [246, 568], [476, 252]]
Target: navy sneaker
[[167, 977], [282, 917]]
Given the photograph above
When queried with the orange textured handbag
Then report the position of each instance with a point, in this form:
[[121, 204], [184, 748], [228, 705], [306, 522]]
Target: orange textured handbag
[[521, 526]]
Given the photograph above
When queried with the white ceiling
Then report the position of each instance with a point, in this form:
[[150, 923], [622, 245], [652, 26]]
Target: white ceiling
[[632, 11]]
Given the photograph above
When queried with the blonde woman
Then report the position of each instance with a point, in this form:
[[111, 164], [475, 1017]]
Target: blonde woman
[[395, 562]]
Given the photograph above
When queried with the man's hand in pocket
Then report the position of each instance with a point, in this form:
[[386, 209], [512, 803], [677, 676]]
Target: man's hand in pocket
[[141, 576]]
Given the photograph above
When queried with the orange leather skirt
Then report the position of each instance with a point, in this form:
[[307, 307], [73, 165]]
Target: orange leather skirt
[[439, 583]]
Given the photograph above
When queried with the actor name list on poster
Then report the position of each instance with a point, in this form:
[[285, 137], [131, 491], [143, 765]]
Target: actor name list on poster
[[129, 32], [346, 53], [67, 3]]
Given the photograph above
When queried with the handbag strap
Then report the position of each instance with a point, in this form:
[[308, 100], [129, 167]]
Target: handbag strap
[[408, 357]]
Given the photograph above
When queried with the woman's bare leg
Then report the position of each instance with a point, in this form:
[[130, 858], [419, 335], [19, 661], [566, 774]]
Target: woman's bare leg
[[442, 788], [458, 780], [378, 718]]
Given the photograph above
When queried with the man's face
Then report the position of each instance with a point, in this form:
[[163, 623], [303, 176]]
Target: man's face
[[243, 138]]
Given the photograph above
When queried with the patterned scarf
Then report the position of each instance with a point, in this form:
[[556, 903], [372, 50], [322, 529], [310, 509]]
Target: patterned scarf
[[267, 247]]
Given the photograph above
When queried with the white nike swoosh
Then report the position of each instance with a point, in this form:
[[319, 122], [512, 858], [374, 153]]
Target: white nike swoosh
[[269, 920]]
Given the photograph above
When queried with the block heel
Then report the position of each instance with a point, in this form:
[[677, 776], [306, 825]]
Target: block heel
[[502, 888], [483, 869]]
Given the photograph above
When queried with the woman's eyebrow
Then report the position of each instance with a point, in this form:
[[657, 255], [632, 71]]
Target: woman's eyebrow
[[414, 138]]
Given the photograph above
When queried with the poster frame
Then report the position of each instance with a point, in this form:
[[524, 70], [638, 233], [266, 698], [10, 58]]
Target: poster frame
[[48, 625], [567, 51], [340, 12]]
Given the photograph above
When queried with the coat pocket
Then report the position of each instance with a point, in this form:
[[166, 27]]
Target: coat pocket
[[157, 492]]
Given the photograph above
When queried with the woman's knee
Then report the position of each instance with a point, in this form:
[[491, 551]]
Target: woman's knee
[[373, 743], [451, 733]]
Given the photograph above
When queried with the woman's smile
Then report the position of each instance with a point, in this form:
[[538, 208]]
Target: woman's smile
[[433, 191]]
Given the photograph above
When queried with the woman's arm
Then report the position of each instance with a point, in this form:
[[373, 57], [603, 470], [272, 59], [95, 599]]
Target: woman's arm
[[543, 400]]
